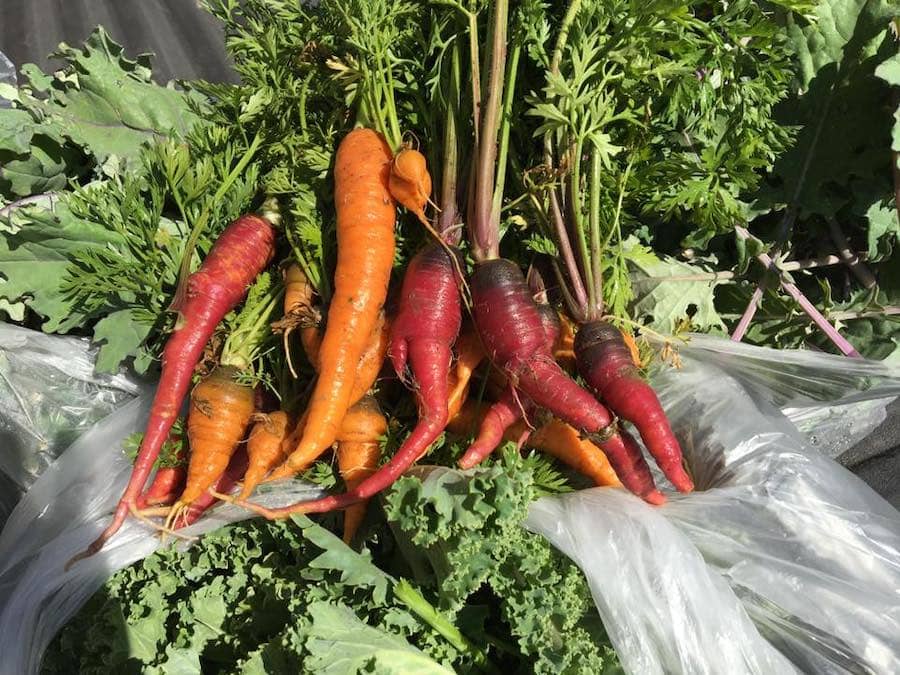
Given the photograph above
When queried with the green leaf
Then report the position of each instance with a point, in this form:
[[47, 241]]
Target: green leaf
[[341, 644], [666, 303], [844, 126], [884, 228], [120, 335], [179, 661], [889, 71], [107, 103], [34, 259], [144, 635], [16, 128], [42, 170]]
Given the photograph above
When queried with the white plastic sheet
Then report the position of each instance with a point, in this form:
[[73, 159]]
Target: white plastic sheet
[[63, 512], [49, 395], [781, 561]]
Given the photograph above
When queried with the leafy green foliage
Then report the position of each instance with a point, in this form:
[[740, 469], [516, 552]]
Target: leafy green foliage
[[469, 531], [249, 598], [99, 109]]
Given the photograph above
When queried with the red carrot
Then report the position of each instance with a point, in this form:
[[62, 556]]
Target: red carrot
[[511, 406], [605, 362], [165, 488], [241, 252], [515, 340]]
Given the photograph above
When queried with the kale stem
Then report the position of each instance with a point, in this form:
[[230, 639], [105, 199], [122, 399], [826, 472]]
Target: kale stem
[[406, 593], [485, 232]]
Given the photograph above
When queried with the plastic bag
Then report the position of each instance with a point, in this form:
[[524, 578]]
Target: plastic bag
[[767, 567], [782, 560], [65, 510], [49, 395]]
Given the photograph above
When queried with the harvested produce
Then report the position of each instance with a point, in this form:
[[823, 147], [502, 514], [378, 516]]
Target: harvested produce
[[240, 253]]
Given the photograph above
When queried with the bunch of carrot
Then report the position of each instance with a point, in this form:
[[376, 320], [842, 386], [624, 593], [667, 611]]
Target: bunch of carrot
[[450, 326]]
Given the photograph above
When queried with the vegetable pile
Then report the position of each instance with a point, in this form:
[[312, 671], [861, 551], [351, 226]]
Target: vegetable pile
[[460, 231]]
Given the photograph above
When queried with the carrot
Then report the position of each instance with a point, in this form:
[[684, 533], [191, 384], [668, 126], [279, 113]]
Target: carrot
[[169, 480], [298, 309], [365, 244], [264, 448], [564, 349], [511, 406], [220, 411], [422, 336], [606, 364], [410, 182], [469, 353], [358, 451], [554, 437], [366, 374], [515, 340], [237, 467], [240, 253], [557, 438]]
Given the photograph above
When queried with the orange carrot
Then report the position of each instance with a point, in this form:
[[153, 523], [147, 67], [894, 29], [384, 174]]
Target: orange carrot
[[469, 353], [554, 437], [358, 452], [220, 411], [557, 438], [410, 182], [298, 309], [366, 373], [264, 448], [365, 244], [564, 349]]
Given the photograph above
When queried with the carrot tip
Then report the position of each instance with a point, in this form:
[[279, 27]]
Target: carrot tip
[[655, 497]]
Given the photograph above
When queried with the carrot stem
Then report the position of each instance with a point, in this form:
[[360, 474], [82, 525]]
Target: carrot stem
[[595, 310], [485, 232], [505, 125]]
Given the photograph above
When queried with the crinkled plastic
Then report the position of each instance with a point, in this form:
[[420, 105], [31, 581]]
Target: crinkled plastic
[[49, 395], [781, 561], [62, 513]]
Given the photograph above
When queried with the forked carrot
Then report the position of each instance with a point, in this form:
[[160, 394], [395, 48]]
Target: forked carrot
[[221, 409], [264, 448], [410, 182]]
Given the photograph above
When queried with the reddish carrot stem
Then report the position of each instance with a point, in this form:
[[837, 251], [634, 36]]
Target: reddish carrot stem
[[791, 289]]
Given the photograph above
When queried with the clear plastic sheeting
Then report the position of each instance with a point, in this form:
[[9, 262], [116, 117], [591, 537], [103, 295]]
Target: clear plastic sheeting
[[49, 395], [781, 561], [65, 510]]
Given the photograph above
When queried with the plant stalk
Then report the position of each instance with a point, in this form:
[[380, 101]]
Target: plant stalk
[[792, 290], [486, 233]]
